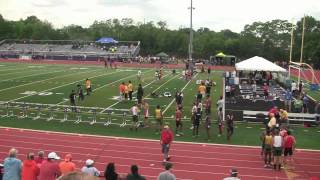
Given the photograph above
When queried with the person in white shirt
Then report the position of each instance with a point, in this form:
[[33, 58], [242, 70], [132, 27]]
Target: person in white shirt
[[277, 146], [293, 87], [134, 111], [167, 175], [234, 175]]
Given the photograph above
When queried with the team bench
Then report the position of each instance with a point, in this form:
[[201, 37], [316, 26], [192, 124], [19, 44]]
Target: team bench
[[294, 118]]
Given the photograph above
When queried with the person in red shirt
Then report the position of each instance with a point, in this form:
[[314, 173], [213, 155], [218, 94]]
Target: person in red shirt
[[67, 166], [178, 121], [165, 141], [30, 170], [122, 89], [49, 169], [40, 159], [289, 146]]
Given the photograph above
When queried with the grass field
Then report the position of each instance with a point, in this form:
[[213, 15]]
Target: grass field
[[52, 84]]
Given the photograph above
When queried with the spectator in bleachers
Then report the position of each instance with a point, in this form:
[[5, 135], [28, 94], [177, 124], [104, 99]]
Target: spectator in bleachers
[[135, 174], [12, 166], [265, 91], [254, 91], [167, 174], [300, 87], [317, 111], [305, 101], [298, 105], [30, 170], [288, 100], [78, 176], [293, 88], [90, 169], [49, 169], [110, 172], [39, 160], [67, 166]]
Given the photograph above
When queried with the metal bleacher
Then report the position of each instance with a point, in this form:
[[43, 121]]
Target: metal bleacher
[[294, 118]]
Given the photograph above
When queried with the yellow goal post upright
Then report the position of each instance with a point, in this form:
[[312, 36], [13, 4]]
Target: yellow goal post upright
[[301, 64]]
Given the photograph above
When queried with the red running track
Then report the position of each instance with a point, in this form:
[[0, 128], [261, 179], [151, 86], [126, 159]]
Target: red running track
[[191, 161]]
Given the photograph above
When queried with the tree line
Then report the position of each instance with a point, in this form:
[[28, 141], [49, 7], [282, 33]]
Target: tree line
[[269, 39]]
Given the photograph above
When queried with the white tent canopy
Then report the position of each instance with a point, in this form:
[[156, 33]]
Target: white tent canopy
[[257, 63]]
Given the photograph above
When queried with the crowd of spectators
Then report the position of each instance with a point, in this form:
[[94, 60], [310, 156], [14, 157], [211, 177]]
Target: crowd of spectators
[[53, 168]]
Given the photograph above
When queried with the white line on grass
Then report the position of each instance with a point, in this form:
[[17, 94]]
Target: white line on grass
[[44, 80], [133, 93], [30, 75], [11, 69], [62, 85], [174, 99], [104, 85]]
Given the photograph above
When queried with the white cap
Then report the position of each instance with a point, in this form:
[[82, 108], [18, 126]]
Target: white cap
[[53, 155], [89, 162]]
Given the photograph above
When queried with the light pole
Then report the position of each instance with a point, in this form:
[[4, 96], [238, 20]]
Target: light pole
[[191, 33]]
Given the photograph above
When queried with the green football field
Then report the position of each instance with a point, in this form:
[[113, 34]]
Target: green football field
[[38, 99]]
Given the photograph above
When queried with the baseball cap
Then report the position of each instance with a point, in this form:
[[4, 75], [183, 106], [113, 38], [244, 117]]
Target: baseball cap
[[53, 155], [89, 162], [234, 171]]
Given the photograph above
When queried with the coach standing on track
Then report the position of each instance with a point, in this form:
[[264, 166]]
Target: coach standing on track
[[165, 141]]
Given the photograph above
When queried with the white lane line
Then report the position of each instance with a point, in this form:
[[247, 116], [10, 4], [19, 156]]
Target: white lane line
[[44, 80], [60, 86], [31, 75], [11, 69], [104, 85], [173, 100], [133, 93]]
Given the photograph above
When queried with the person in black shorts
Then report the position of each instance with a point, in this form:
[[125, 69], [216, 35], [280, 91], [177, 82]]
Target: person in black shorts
[[229, 126], [289, 146], [196, 123], [72, 98]]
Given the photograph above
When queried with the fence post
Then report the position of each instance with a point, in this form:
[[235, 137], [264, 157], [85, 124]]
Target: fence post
[[50, 113], [94, 116]]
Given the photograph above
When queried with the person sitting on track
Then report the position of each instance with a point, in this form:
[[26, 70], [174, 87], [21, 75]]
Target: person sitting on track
[[233, 175], [135, 174], [167, 174], [67, 166], [90, 169]]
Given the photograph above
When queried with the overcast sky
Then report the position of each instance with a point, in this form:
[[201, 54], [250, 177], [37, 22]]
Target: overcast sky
[[214, 14]]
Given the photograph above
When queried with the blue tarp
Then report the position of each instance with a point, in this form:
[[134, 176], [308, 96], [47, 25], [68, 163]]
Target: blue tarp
[[106, 40]]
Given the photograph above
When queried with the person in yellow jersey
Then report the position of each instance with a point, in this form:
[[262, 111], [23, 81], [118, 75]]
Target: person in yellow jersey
[[130, 90], [267, 149], [159, 119], [202, 89], [88, 86]]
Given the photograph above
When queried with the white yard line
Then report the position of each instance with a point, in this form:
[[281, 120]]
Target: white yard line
[[133, 93], [62, 85], [182, 91], [104, 85], [31, 75], [11, 69], [44, 80]]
